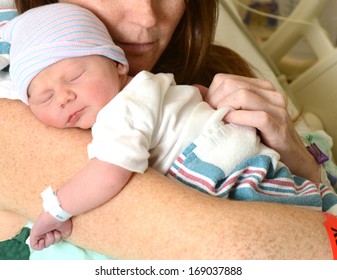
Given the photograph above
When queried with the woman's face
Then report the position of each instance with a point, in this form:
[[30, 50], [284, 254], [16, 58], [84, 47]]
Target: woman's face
[[142, 28]]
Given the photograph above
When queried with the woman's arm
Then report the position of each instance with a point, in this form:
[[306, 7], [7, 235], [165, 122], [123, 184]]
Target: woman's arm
[[13, 224], [152, 217]]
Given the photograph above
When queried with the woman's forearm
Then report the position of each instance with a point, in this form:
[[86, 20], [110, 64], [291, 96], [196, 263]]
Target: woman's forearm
[[162, 220], [34, 156], [12, 224], [152, 217]]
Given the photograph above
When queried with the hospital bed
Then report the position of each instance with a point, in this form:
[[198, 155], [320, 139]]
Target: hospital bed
[[313, 91]]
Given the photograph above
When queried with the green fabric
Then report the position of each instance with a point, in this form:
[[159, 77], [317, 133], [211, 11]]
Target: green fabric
[[64, 251], [16, 248]]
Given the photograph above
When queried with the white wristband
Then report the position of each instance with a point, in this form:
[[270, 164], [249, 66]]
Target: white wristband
[[51, 204]]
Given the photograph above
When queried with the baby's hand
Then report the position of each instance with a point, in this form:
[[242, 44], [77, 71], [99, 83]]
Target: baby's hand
[[48, 231]]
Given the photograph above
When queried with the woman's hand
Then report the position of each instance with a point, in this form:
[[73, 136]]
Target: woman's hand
[[259, 105]]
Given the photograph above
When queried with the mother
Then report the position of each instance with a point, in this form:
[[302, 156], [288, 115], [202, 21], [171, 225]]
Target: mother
[[155, 217]]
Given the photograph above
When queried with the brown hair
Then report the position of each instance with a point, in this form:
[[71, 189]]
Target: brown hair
[[197, 60]]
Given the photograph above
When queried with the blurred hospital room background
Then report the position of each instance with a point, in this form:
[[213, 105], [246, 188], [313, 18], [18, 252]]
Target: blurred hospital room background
[[299, 37], [254, 14]]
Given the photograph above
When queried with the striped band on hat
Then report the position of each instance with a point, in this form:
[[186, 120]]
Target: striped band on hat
[[45, 35]]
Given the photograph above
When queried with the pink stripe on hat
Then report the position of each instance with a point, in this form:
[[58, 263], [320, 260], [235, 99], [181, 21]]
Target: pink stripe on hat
[[45, 35]]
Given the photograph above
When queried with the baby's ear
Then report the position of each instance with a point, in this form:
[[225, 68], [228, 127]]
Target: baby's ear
[[121, 68]]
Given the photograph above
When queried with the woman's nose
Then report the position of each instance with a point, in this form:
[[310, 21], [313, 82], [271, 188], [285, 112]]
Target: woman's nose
[[144, 14]]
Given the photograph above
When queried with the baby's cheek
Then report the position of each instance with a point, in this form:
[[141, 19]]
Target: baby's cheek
[[48, 118]]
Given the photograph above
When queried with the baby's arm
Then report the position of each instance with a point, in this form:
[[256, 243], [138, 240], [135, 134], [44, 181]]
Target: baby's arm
[[91, 187]]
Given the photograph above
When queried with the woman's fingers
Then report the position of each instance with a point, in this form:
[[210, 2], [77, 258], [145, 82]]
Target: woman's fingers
[[273, 129], [239, 92], [252, 100], [258, 104], [219, 78]]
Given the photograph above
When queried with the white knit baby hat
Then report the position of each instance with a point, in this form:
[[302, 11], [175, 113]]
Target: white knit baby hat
[[45, 35]]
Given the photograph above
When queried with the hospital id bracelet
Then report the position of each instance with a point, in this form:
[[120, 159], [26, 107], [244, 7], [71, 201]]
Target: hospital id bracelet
[[319, 156], [51, 204]]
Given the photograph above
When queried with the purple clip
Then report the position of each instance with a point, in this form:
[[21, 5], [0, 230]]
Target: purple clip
[[317, 153]]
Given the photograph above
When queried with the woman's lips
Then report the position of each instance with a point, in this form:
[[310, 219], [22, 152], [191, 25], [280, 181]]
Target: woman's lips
[[136, 48]]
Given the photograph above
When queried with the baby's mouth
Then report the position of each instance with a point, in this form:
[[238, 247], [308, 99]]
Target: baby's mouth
[[73, 118]]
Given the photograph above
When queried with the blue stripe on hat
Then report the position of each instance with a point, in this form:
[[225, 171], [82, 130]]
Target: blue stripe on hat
[[45, 35]]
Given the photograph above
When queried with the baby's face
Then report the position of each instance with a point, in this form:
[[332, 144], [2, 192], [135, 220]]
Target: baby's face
[[71, 92]]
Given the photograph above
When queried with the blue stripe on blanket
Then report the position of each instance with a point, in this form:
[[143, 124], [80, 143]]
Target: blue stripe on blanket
[[328, 198], [254, 179], [6, 15], [313, 201], [4, 48]]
